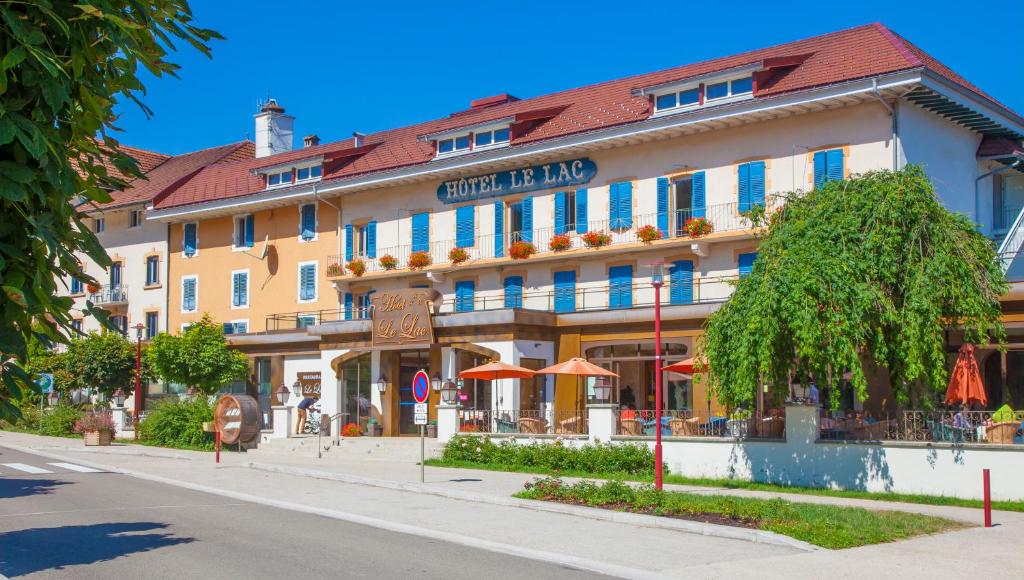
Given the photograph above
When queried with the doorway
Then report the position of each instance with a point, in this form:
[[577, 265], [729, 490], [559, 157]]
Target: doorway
[[409, 362], [683, 202]]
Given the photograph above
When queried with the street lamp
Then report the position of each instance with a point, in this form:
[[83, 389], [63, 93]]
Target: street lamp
[[657, 281], [282, 393], [119, 397], [436, 382], [449, 393], [138, 376], [382, 384], [602, 390]]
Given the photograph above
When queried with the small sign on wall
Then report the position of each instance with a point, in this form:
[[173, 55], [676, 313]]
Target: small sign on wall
[[309, 384]]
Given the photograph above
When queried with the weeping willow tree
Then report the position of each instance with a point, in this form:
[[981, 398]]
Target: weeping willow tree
[[868, 272]]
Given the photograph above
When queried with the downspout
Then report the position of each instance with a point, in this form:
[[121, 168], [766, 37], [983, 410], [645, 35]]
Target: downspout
[[977, 183], [895, 125]]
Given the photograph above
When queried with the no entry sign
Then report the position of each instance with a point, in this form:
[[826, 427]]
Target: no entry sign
[[420, 387]]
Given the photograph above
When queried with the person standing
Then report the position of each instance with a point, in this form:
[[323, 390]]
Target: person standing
[[303, 410]]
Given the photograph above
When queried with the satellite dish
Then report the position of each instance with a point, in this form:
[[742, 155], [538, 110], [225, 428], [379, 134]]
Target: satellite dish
[[266, 245]]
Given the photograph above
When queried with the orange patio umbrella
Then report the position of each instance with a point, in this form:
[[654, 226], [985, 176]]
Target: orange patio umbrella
[[965, 384], [578, 367], [495, 370], [685, 366]]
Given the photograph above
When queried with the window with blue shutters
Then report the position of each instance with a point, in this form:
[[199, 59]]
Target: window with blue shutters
[[371, 239], [699, 196], [751, 185], [348, 306], [828, 166], [514, 292], [349, 239], [189, 291], [239, 289], [565, 291], [245, 235], [307, 222], [421, 232], [560, 219], [681, 282], [307, 282], [464, 296], [76, 285], [662, 206], [581, 211], [236, 327], [499, 229], [620, 205], [465, 228], [527, 231], [620, 286], [746, 263], [190, 239], [305, 320]]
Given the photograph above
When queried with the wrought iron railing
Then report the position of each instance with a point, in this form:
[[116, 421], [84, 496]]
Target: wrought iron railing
[[683, 423], [110, 294], [524, 422], [981, 427]]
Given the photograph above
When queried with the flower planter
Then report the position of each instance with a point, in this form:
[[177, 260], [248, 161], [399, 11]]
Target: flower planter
[[97, 438], [357, 267]]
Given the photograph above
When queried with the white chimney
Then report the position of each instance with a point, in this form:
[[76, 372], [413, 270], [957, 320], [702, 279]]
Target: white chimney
[[273, 130]]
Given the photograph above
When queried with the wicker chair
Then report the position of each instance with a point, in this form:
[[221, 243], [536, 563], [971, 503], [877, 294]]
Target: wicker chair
[[878, 431], [1002, 433], [773, 428], [533, 425], [572, 426], [681, 427], [630, 427]]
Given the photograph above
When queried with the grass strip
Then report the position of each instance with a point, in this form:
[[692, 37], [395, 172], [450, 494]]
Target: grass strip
[[938, 500], [827, 526]]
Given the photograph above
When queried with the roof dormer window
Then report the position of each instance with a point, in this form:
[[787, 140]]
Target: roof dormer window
[[489, 138], [308, 173], [483, 136], [280, 178], [453, 144], [692, 95], [284, 177]]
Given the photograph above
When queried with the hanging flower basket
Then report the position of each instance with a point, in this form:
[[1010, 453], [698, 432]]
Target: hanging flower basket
[[388, 262], [357, 267], [648, 234], [419, 260], [697, 227], [522, 250], [560, 243], [335, 270], [596, 239], [458, 255]]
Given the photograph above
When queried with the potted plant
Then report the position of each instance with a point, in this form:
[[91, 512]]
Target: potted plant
[[596, 239], [388, 262], [648, 234], [92, 287], [335, 270], [560, 243], [351, 430], [419, 260], [97, 427], [432, 429], [697, 227], [521, 250], [357, 267], [458, 255]]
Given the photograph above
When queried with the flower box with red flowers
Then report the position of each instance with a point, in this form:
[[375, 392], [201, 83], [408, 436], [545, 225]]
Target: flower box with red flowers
[[648, 234], [334, 270], [596, 239], [351, 430], [419, 260], [697, 227], [388, 262], [458, 255], [357, 267], [522, 250], [560, 243]]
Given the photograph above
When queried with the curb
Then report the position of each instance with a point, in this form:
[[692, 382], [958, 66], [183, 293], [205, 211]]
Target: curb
[[640, 520], [584, 564]]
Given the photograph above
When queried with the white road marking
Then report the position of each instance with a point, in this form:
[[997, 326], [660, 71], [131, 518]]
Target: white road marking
[[27, 468], [78, 468]]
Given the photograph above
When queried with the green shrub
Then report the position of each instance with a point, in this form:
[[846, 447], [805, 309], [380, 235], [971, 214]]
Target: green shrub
[[60, 421], [631, 459], [178, 423]]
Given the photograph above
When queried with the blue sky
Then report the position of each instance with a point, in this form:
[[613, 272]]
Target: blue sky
[[365, 66]]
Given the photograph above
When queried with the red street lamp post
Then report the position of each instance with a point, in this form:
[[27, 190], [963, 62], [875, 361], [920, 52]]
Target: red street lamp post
[[657, 280], [138, 376]]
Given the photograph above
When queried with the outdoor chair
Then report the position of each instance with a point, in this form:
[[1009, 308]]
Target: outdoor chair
[[533, 425], [772, 428], [630, 427], [1002, 433], [947, 433], [572, 426], [506, 426], [872, 431], [681, 427]]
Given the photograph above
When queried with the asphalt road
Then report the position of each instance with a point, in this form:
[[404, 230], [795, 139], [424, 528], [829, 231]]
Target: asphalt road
[[61, 520]]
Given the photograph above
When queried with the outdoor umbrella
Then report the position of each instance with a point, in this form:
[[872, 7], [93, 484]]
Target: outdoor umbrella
[[685, 366], [578, 367], [965, 384], [496, 370]]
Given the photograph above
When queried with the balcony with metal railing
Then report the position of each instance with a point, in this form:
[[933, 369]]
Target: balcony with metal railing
[[110, 295], [722, 217]]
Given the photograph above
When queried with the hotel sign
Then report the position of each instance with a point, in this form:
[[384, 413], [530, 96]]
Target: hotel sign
[[521, 180], [403, 318], [309, 384]]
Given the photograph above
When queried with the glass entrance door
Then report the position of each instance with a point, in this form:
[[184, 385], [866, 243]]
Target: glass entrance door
[[410, 362]]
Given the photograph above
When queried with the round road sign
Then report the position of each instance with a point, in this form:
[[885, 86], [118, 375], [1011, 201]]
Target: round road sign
[[421, 386]]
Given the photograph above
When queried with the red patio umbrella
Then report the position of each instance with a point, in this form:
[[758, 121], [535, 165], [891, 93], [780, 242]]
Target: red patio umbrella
[[495, 370], [965, 384], [685, 366]]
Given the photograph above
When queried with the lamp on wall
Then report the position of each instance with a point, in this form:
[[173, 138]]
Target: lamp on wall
[[382, 384], [282, 393], [436, 382], [449, 392], [119, 397], [602, 390]]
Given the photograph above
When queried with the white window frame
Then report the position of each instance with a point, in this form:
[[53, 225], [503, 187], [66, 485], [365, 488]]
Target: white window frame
[[159, 278], [316, 223], [702, 85], [311, 177], [234, 232], [196, 253], [678, 107], [231, 290], [183, 279], [316, 282], [492, 145], [359, 240], [731, 97], [280, 172], [454, 139], [145, 318], [99, 225], [185, 326], [236, 321], [137, 215]]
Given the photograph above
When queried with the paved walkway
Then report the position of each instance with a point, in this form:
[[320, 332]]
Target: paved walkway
[[474, 505]]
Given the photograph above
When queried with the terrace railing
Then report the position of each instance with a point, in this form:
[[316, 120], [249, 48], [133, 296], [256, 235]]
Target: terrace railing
[[979, 427], [524, 422], [110, 295], [683, 423]]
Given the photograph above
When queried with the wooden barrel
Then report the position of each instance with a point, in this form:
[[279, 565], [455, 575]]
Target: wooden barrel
[[237, 417]]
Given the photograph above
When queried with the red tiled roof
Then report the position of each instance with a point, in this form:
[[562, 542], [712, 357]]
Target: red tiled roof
[[146, 161], [846, 55]]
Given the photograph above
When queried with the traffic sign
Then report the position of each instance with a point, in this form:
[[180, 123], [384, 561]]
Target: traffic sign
[[420, 414], [420, 387], [45, 382]]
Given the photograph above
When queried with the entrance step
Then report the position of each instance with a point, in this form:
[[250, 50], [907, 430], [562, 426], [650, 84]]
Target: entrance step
[[353, 448]]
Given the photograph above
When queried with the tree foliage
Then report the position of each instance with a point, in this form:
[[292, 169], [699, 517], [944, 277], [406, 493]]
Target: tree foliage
[[64, 67], [104, 361], [856, 274], [198, 357]]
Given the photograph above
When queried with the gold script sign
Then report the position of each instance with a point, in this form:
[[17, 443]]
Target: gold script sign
[[403, 317], [309, 383]]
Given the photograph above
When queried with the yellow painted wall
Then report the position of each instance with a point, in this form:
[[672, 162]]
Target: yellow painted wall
[[273, 281]]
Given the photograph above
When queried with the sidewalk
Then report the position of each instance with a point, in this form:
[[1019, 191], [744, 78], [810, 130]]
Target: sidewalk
[[468, 505]]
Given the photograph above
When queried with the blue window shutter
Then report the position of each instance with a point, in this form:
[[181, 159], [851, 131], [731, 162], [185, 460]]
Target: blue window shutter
[[663, 206], [527, 233], [744, 188], [368, 305], [834, 165], [820, 166], [625, 203], [228, 328], [464, 226], [188, 292], [307, 282], [581, 211], [681, 281], [308, 221], [699, 201], [757, 183], [190, 239], [499, 229], [464, 296], [348, 243], [421, 232], [560, 220], [746, 263], [238, 290], [613, 206], [250, 231], [348, 306], [76, 285], [565, 291], [514, 292], [620, 286], [371, 240]]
